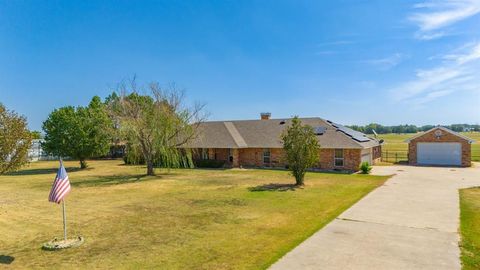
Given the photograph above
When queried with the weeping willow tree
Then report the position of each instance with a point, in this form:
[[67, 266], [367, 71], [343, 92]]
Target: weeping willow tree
[[156, 125]]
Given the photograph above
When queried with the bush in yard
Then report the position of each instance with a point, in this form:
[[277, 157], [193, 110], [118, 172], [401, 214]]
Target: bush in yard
[[80, 133], [365, 167], [209, 163], [301, 148]]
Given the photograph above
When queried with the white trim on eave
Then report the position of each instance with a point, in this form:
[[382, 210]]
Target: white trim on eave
[[444, 129]]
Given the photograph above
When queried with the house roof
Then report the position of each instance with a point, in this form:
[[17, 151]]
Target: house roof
[[266, 134], [444, 129]]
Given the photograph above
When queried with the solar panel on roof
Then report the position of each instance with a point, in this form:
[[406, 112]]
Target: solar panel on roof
[[319, 130], [356, 135]]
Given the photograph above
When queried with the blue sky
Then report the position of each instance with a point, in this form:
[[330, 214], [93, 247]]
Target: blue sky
[[353, 62]]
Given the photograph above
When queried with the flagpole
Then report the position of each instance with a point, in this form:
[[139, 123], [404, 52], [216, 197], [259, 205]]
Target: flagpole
[[64, 221]]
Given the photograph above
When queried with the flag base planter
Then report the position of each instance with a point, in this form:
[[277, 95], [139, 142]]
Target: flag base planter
[[57, 244]]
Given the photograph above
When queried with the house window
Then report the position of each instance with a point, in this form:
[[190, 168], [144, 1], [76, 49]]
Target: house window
[[204, 153], [266, 155], [338, 159]]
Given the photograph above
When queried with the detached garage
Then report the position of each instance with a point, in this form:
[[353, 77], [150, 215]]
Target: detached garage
[[440, 146]]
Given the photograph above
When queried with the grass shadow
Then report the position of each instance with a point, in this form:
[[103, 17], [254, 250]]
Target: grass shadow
[[5, 259], [45, 171], [274, 187], [112, 180], [210, 169], [334, 171], [401, 162]]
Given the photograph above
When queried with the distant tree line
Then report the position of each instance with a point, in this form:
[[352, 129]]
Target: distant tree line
[[380, 129]]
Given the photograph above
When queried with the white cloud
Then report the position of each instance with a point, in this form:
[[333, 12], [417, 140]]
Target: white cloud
[[429, 36], [335, 43], [440, 14], [472, 56], [430, 97], [457, 72], [387, 63], [331, 47], [325, 52]]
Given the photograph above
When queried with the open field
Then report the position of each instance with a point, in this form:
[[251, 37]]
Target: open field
[[470, 228], [186, 219], [396, 143]]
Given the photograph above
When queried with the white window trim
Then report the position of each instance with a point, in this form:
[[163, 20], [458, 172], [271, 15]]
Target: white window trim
[[205, 153], [269, 155], [335, 158]]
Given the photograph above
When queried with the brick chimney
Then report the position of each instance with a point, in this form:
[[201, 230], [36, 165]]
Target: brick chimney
[[265, 115]]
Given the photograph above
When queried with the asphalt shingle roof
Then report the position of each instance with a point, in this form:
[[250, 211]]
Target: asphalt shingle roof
[[266, 134]]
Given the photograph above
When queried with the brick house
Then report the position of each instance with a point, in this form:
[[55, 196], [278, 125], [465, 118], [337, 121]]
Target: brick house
[[440, 146], [257, 143]]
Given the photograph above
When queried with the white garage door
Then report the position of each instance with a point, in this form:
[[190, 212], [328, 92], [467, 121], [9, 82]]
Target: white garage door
[[439, 153], [366, 157]]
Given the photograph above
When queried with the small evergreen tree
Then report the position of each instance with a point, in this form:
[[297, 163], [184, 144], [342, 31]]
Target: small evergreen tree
[[301, 149]]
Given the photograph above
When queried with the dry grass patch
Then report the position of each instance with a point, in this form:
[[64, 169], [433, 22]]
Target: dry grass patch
[[182, 219]]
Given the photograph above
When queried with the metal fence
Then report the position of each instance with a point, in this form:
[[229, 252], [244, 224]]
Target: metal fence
[[394, 156], [402, 156]]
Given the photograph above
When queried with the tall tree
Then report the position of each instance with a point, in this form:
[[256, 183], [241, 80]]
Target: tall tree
[[36, 134], [80, 133], [157, 125], [301, 149], [15, 140]]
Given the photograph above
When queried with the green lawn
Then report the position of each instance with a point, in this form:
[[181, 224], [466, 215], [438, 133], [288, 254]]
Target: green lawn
[[186, 219], [396, 143], [470, 228]]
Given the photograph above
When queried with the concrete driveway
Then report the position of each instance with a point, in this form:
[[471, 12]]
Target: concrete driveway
[[410, 222]]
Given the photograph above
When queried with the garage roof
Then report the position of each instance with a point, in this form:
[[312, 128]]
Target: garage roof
[[444, 129]]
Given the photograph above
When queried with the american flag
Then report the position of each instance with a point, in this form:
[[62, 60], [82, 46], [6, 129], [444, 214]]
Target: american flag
[[60, 187]]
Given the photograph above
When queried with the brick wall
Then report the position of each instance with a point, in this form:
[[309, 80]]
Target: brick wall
[[253, 157], [326, 159], [351, 159], [446, 137]]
